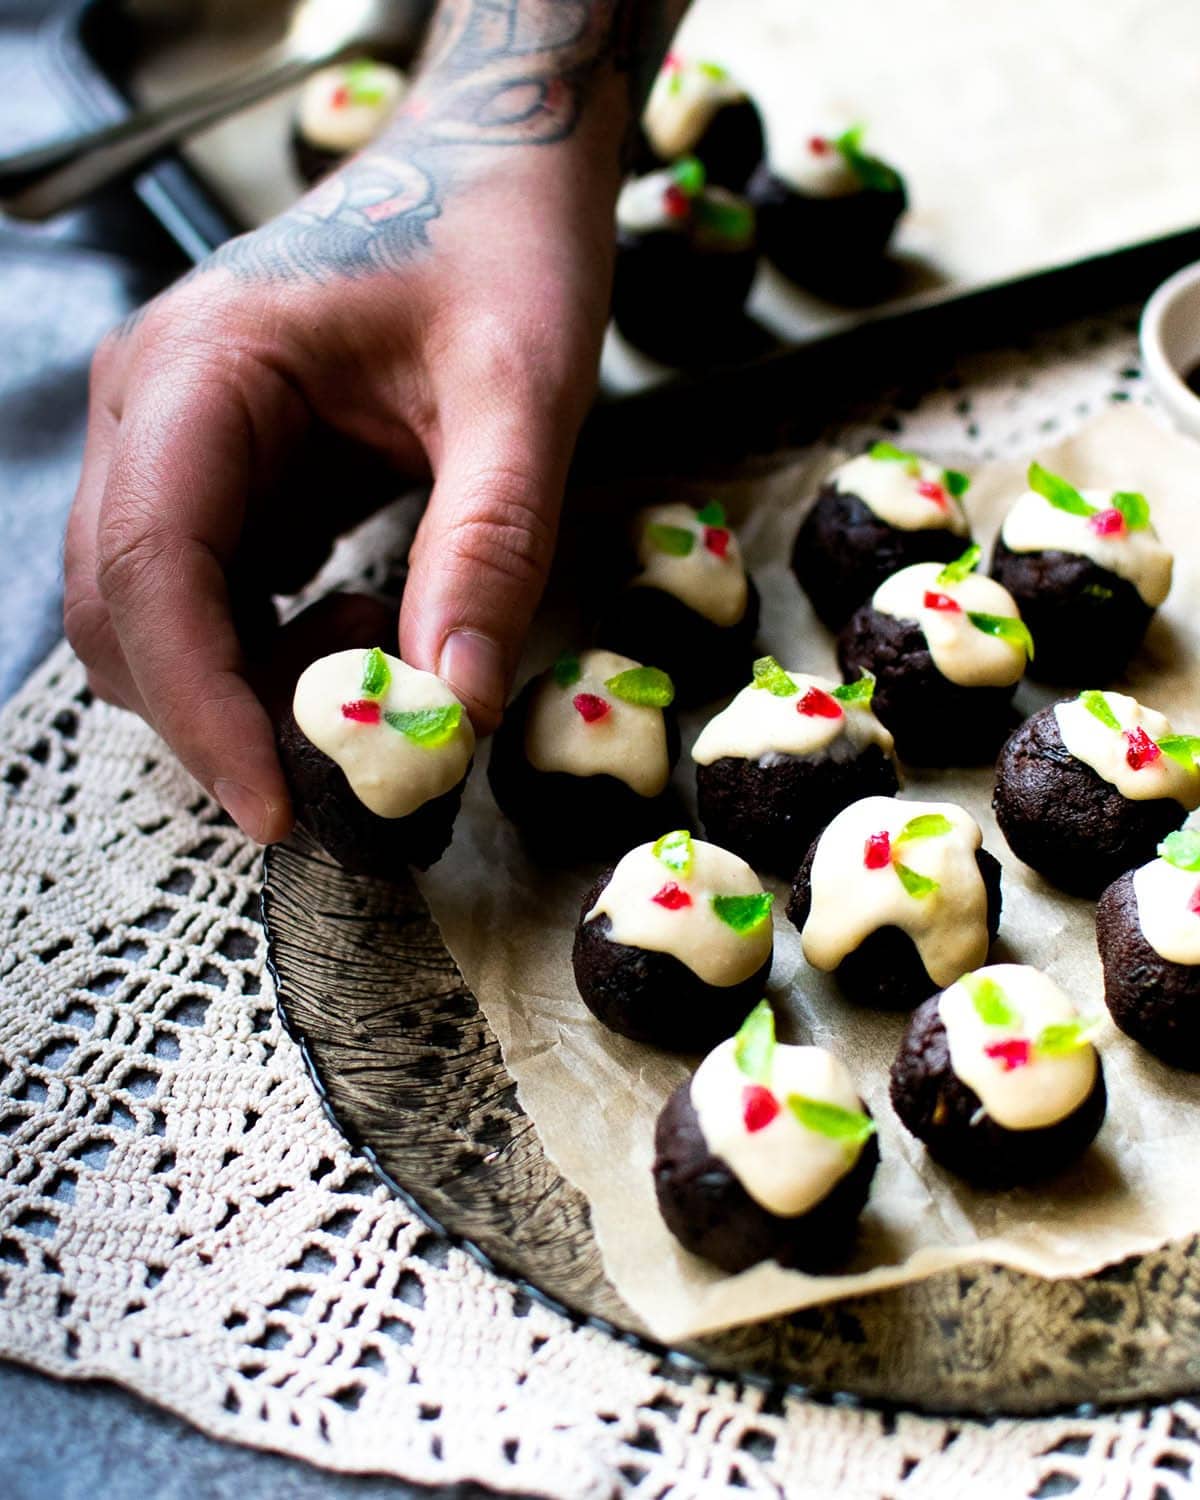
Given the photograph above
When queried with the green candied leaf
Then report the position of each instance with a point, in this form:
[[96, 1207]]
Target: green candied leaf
[[754, 1045], [990, 1002], [1181, 849], [1097, 705], [359, 83], [1061, 1038], [743, 913], [567, 670], [429, 727], [376, 674], [927, 826], [713, 514], [689, 177], [962, 567], [956, 482], [888, 453], [874, 174], [646, 687], [770, 675], [860, 692], [1182, 748], [1099, 591], [1134, 508], [1004, 628], [1061, 495], [850, 1126], [713, 70], [916, 885], [725, 221], [676, 851], [676, 540]]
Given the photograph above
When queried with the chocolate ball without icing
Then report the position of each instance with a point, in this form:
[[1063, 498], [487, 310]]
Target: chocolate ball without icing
[[1152, 999]]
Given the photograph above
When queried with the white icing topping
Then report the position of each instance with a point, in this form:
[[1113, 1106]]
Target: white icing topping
[[785, 1167], [344, 107], [1107, 750], [1031, 1095], [850, 901], [685, 97], [388, 772], [961, 652], [1034, 525], [693, 934], [812, 165], [889, 489], [712, 584], [629, 742], [642, 205], [757, 725], [1167, 913]]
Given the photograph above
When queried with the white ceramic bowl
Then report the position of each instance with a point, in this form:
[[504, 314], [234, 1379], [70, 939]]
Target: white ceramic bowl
[[1170, 342]]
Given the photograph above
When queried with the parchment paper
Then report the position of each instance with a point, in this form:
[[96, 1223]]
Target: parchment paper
[[594, 1096]]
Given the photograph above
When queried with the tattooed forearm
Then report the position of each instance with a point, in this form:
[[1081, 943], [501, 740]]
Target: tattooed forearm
[[496, 73]]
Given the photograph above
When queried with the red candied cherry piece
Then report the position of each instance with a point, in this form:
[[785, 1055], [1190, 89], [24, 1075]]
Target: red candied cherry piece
[[676, 202], [362, 711], [935, 599], [672, 896], [589, 707], [716, 539], [672, 63], [1194, 903], [1142, 750], [1013, 1052], [929, 489], [818, 145], [817, 704], [877, 853], [340, 97], [759, 1107], [1107, 522]]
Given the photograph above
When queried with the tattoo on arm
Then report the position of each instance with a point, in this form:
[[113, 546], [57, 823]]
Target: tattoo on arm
[[496, 73]]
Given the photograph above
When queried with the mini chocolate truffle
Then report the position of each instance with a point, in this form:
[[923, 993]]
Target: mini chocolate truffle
[[685, 261], [376, 755], [1148, 929], [827, 211], [342, 109], [947, 648], [998, 1078], [787, 755], [1088, 787], [767, 1154], [698, 109], [874, 515], [1087, 570], [897, 899], [690, 607], [674, 943], [583, 758]]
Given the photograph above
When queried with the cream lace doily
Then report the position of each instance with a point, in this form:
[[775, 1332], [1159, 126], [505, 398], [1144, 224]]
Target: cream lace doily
[[178, 1215]]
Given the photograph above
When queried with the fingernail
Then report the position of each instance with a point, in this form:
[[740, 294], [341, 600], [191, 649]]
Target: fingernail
[[247, 809], [473, 665]]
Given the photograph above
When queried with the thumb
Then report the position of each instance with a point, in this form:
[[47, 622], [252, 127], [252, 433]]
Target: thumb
[[482, 553]]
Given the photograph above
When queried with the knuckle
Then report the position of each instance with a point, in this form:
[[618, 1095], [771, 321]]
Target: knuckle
[[132, 553], [86, 625], [501, 526]]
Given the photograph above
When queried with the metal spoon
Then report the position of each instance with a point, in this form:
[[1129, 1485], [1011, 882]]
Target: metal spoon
[[48, 179]]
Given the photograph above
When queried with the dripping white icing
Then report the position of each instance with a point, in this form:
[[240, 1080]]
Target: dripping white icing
[[1034, 525], [344, 107], [784, 1167], [693, 934], [629, 742], [642, 205], [1033, 1094], [1107, 750], [962, 653], [813, 166], [850, 901], [388, 772], [892, 492], [757, 725], [712, 584], [1167, 901], [685, 97]]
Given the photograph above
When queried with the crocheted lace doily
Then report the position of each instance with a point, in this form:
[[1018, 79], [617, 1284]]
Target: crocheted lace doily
[[178, 1215]]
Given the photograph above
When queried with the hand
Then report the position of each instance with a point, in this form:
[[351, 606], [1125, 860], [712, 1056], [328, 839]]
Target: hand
[[439, 303]]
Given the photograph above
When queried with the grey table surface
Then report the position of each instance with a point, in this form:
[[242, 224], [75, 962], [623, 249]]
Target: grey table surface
[[61, 288]]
